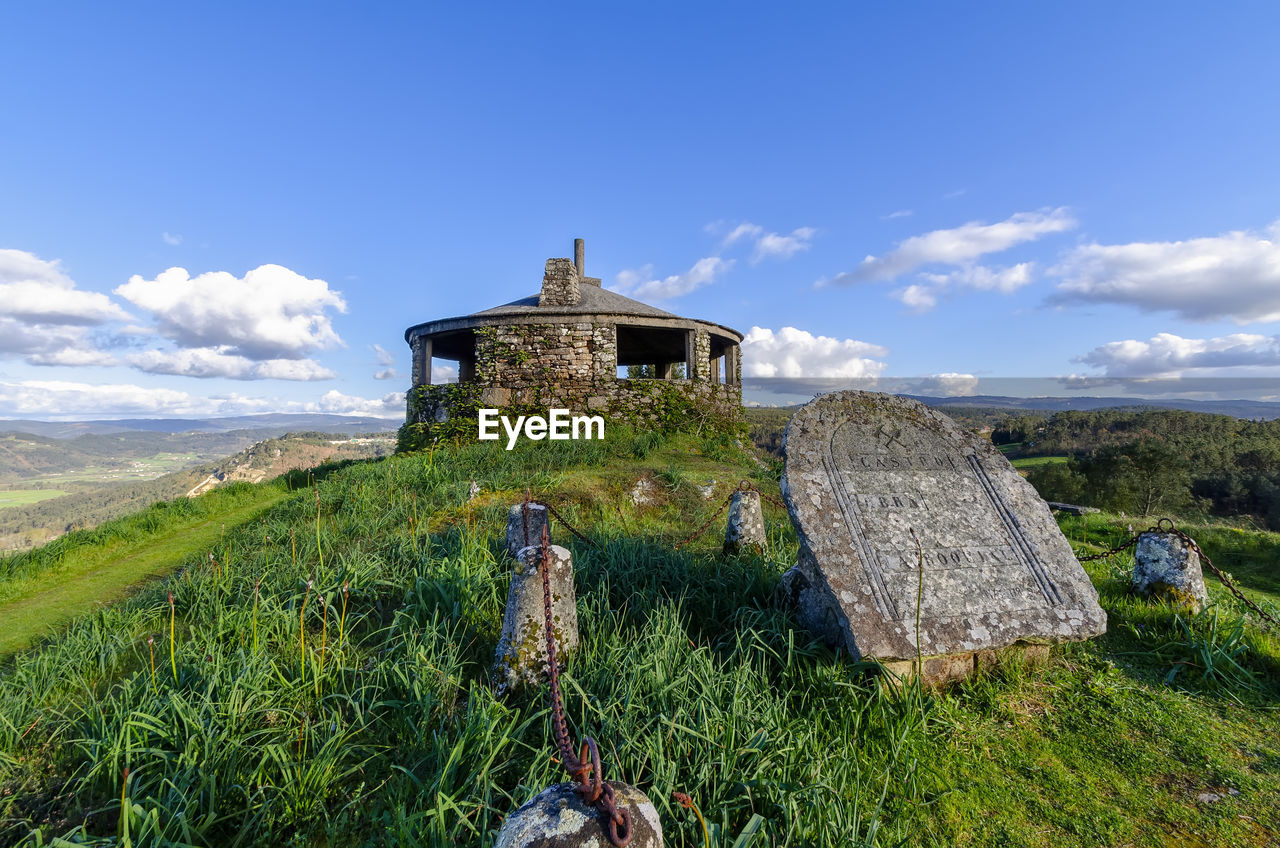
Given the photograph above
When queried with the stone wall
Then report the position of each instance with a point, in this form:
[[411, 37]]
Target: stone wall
[[535, 367]]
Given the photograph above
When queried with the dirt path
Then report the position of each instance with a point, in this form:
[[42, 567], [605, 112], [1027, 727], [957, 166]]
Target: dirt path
[[80, 587]]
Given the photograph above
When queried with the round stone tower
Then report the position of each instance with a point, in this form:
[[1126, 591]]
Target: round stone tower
[[574, 345]]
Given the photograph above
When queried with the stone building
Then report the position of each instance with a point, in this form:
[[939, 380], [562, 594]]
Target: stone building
[[569, 346]]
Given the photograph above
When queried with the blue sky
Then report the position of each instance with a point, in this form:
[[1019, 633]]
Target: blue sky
[[981, 192]]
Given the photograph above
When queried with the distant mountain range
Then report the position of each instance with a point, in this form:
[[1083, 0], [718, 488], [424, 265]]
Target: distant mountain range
[[1255, 409], [278, 423]]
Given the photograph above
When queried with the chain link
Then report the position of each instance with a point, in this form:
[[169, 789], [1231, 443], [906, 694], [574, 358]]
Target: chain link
[[584, 767], [1159, 527]]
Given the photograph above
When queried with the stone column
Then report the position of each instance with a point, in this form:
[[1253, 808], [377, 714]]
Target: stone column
[[745, 530], [517, 535], [1166, 568], [422, 361], [580, 257], [715, 369], [521, 656], [732, 365]]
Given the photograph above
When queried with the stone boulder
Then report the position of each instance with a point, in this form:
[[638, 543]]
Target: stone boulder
[[918, 538]]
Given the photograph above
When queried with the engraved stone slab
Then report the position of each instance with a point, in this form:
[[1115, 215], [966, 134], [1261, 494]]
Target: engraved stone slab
[[867, 475]]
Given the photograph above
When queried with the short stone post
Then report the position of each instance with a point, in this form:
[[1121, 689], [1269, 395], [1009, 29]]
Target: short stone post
[[521, 656], [746, 523], [1167, 568], [559, 818], [517, 538]]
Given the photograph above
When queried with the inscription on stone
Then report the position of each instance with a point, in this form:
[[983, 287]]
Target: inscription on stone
[[900, 511]]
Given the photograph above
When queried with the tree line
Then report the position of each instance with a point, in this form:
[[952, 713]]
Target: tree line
[[1154, 461]]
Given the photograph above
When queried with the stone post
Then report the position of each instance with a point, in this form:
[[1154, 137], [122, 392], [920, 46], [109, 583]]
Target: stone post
[[1166, 568], [559, 818], [746, 523], [517, 538], [580, 257], [521, 656]]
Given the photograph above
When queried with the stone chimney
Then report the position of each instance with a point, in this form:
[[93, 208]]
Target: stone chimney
[[560, 284], [580, 263]]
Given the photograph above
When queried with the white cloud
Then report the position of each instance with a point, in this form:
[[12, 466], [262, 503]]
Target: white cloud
[[641, 284], [385, 374], [795, 354], [173, 240], [385, 358], [270, 313], [1235, 275], [65, 399], [388, 406], [44, 318], [900, 213], [746, 230], [959, 246], [60, 397], [918, 298], [1166, 355], [948, 384], [769, 244], [923, 296], [783, 247], [37, 291], [219, 362]]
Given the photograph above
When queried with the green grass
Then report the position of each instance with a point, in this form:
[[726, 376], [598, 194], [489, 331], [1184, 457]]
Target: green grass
[[42, 591], [23, 497], [1033, 461], [689, 674]]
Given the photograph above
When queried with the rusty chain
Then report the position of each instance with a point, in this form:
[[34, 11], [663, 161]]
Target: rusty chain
[[584, 767], [1159, 527], [551, 511], [744, 486]]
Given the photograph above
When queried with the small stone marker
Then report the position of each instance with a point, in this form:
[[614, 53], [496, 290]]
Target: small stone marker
[[517, 538], [745, 530], [905, 517], [1167, 568], [521, 656], [558, 818]]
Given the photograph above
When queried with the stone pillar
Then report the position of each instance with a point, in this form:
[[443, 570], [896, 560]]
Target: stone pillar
[[715, 369], [517, 537], [745, 530], [732, 365], [559, 818], [699, 356], [560, 284], [580, 257], [521, 656], [1166, 568], [422, 361]]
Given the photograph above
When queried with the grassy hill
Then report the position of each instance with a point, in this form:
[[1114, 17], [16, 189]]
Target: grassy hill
[[120, 477], [268, 706]]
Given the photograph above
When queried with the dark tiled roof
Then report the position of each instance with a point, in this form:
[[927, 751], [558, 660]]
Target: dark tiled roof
[[594, 300]]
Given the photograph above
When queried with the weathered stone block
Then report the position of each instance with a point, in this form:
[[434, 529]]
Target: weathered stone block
[[525, 529], [558, 818], [1166, 568], [521, 656], [903, 515], [745, 528]]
